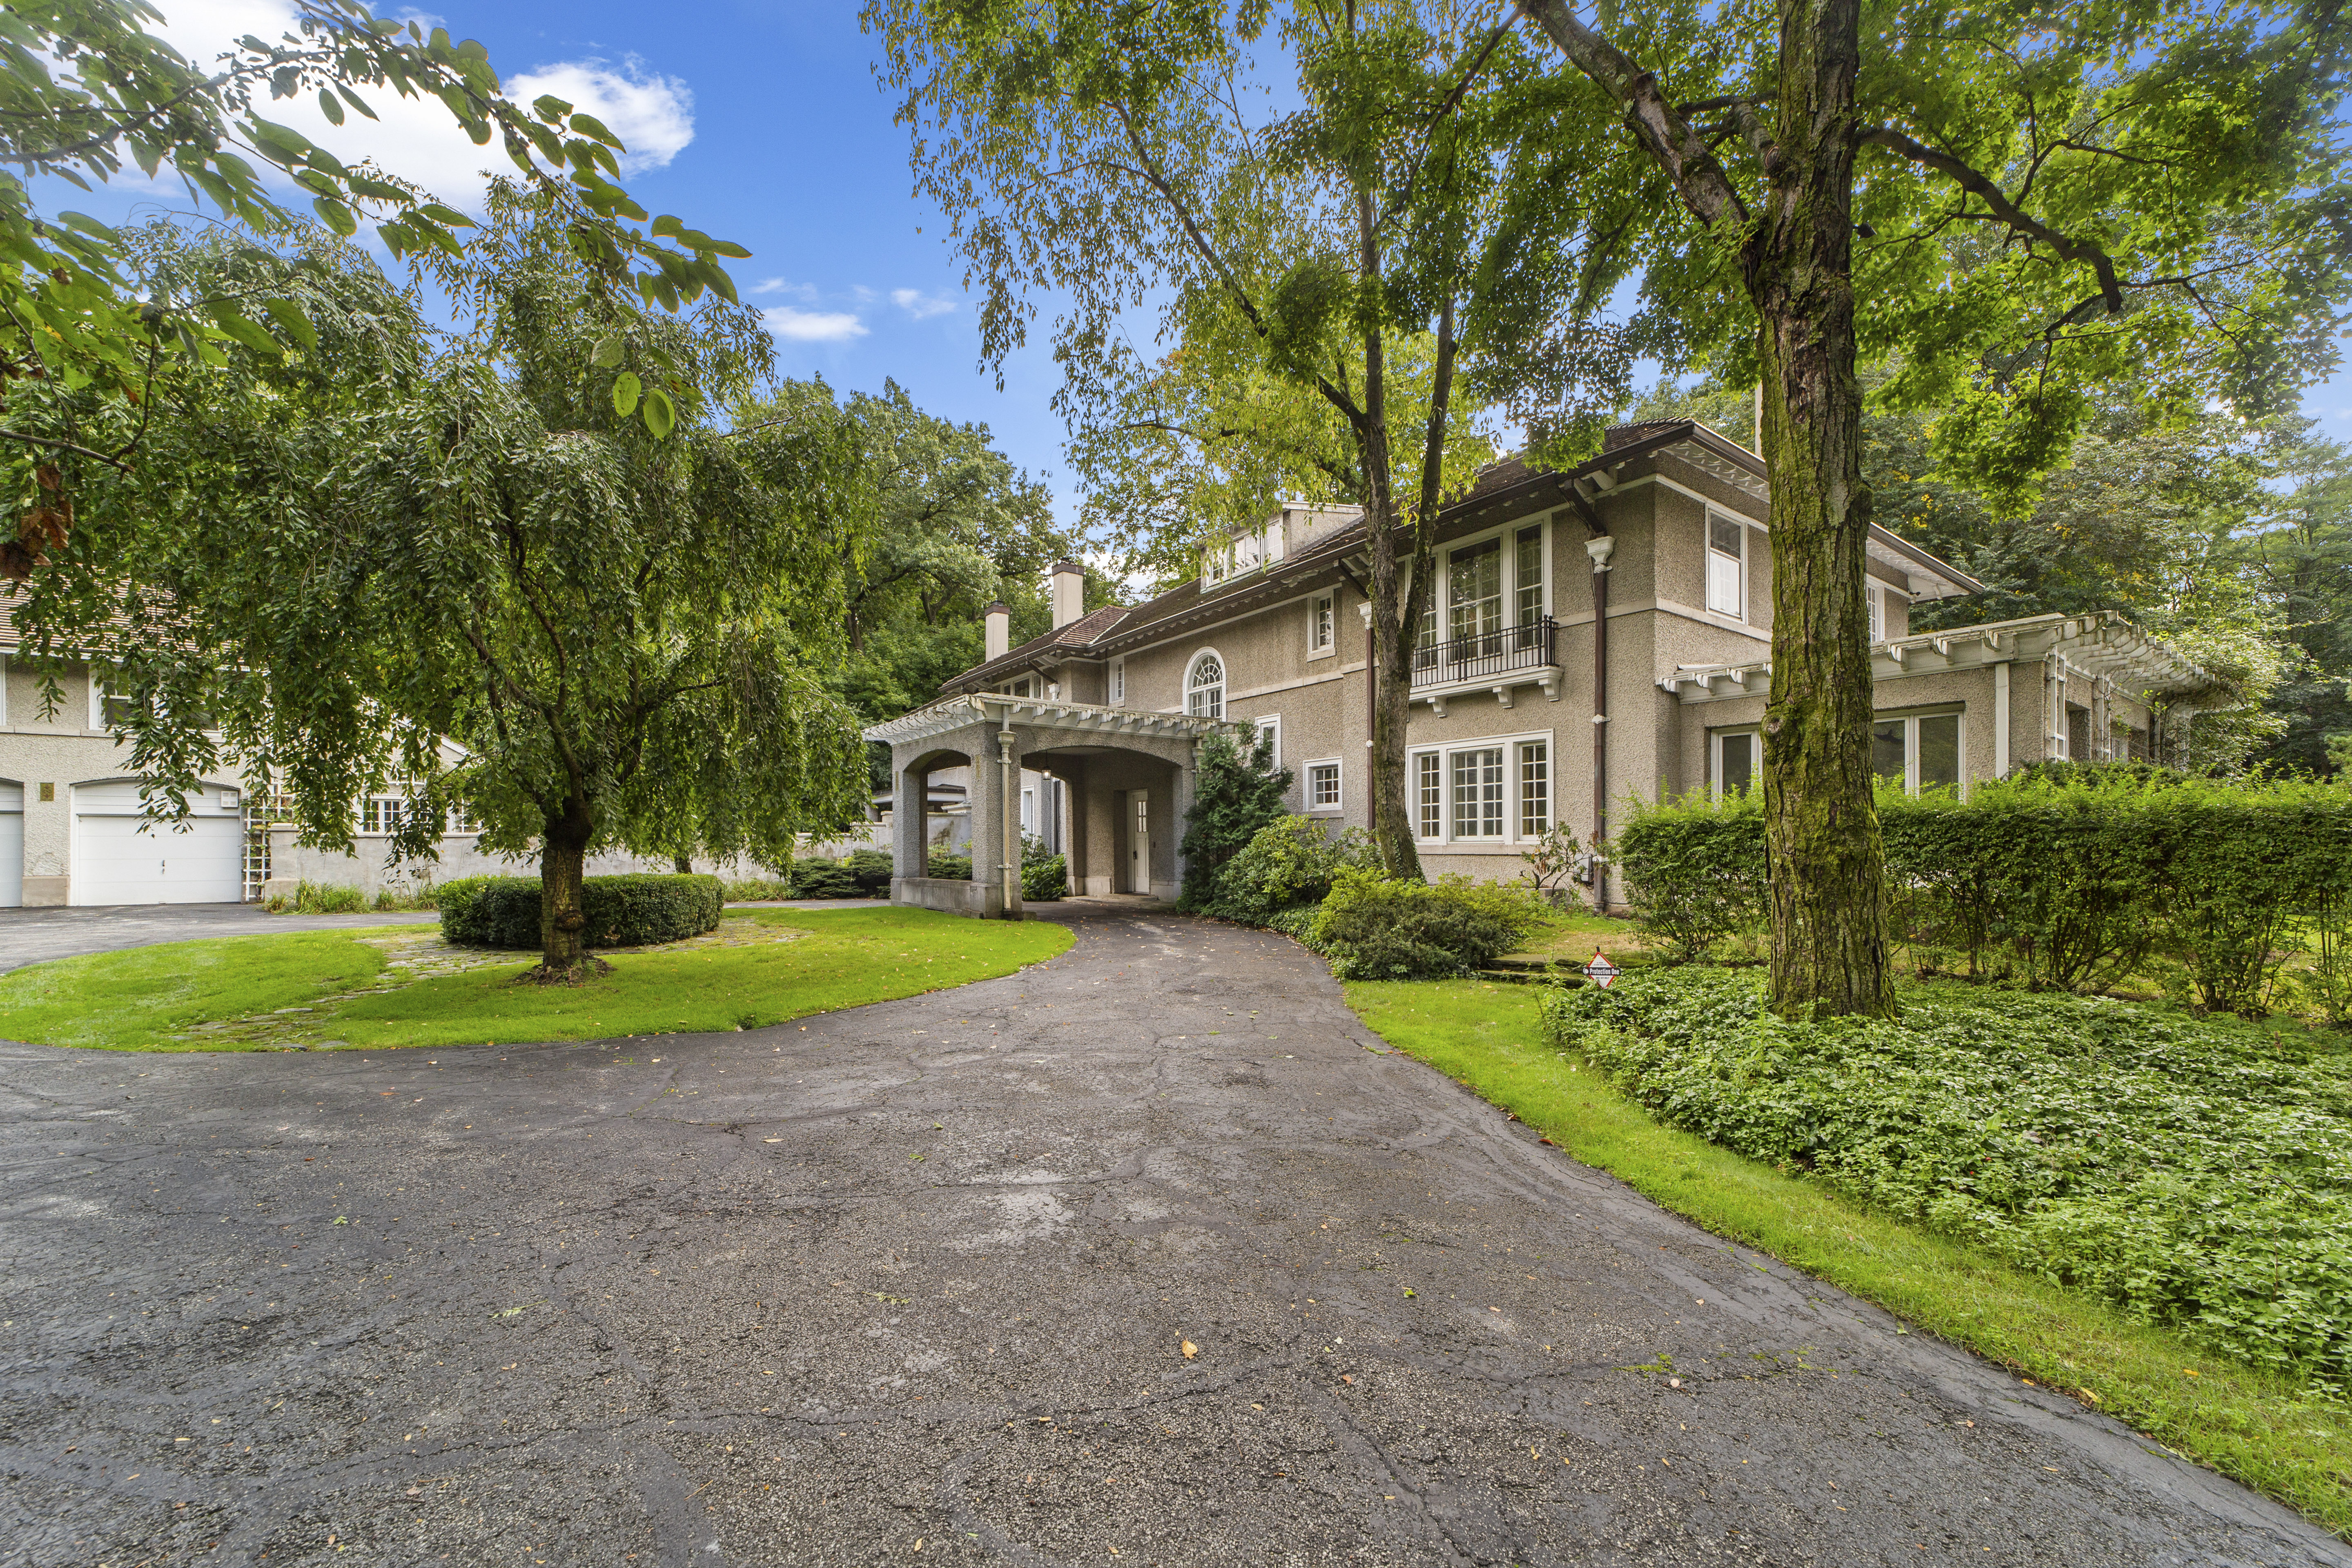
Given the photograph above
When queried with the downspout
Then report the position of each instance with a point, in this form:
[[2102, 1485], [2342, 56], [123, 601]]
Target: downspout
[[1600, 548]]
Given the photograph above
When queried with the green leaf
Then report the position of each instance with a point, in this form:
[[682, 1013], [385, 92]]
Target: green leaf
[[447, 216], [296, 325], [243, 329], [624, 393], [330, 105], [589, 125], [666, 226], [661, 416], [608, 351], [550, 108], [354, 99], [336, 216], [729, 250]]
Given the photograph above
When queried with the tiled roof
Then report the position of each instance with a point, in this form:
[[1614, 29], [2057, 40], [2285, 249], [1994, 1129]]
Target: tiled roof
[[1086, 628]]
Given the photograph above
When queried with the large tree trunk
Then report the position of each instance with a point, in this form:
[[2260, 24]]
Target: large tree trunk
[[1390, 671], [1826, 861], [562, 914]]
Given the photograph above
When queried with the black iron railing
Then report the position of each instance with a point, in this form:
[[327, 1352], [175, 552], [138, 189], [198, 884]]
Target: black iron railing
[[1498, 652]]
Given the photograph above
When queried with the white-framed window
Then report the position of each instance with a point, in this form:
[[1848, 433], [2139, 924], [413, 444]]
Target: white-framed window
[[1322, 624], [1494, 789], [106, 710], [1473, 589], [1528, 575], [1204, 685], [1535, 789], [1726, 565], [3, 689], [1025, 686], [1117, 682], [1483, 587], [1216, 563], [1323, 785], [1735, 760], [1922, 750], [1874, 596], [1269, 734], [1241, 555], [381, 814]]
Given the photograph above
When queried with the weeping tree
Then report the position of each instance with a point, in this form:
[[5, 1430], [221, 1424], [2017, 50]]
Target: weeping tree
[[574, 572]]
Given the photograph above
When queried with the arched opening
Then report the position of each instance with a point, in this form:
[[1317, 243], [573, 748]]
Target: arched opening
[[1204, 686]]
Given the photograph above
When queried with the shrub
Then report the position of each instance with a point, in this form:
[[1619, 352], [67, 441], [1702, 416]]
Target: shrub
[[873, 869], [1045, 880], [325, 898], [822, 878], [1289, 861], [2196, 1171], [622, 911], [1375, 928], [759, 890], [2071, 878], [1235, 794], [949, 864]]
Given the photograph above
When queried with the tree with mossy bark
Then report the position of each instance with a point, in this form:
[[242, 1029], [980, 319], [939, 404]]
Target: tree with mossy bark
[[2017, 205], [476, 565], [1350, 284]]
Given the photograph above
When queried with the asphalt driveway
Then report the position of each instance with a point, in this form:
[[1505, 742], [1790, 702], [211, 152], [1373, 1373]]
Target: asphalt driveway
[[1148, 1255]]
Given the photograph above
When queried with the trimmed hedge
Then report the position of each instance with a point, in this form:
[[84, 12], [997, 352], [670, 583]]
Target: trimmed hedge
[[2072, 879], [622, 911]]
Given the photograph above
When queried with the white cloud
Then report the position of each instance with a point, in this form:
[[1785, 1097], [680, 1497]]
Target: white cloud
[[415, 138], [919, 305], [812, 326]]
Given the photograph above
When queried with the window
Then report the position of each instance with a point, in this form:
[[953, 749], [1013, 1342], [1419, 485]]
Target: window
[[1535, 788], [1736, 761], [1024, 686], [1322, 623], [1475, 589], [1726, 565], [1216, 564], [1432, 793], [1528, 579], [381, 814], [1478, 792], [1117, 681], [1269, 735], [106, 710], [1323, 786], [1876, 598], [1920, 751], [1204, 687]]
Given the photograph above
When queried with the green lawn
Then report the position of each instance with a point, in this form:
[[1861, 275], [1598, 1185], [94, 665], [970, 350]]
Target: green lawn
[[135, 1000], [2259, 1428]]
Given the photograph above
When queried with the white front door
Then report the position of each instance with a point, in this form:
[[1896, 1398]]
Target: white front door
[[12, 846], [115, 862], [1139, 845]]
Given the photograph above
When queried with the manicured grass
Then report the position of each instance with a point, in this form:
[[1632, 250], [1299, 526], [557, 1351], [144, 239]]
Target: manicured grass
[[136, 999], [1575, 933], [2254, 1426], [845, 959]]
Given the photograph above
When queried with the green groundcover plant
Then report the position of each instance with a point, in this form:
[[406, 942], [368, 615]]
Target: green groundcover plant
[[2196, 1171]]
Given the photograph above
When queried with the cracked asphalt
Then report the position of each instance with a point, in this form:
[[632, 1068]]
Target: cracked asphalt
[[926, 1275]]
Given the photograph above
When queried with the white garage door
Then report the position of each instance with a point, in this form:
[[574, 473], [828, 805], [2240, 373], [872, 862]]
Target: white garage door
[[12, 846], [115, 862]]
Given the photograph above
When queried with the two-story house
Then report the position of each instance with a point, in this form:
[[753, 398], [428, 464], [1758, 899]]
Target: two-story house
[[1597, 631]]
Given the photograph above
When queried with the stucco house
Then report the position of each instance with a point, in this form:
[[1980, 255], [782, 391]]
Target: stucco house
[[1597, 631]]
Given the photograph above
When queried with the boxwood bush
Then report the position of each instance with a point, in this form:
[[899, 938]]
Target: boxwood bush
[[2071, 877], [2196, 1171], [632, 911], [1376, 928]]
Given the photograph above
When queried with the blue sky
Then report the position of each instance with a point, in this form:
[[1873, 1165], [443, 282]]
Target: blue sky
[[762, 123]]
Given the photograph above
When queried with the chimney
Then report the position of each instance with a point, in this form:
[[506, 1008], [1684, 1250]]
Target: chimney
[[999, 622], [1069, 580]]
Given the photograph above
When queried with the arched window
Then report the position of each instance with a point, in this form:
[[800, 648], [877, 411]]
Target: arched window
[[1204, 688]]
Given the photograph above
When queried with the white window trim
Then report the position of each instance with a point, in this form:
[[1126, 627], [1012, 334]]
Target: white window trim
[[1442, 581], [1510, 745], [1119, 681], [1874, 599], [1910, 718], [1714, 739], [1708, 550], [1225, 683], [1265, 723], [1306, 787], [1315, 604]]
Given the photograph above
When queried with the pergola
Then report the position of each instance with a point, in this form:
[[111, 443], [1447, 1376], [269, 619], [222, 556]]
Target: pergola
[[1129, 774]]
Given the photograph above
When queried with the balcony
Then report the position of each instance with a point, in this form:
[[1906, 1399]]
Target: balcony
[[1498, 660]]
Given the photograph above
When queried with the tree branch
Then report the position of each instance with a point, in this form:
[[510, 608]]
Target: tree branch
[[2005, 210]]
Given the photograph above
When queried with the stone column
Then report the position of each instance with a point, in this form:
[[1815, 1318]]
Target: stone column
[[994, 805], [909, 792], [1184, 772]]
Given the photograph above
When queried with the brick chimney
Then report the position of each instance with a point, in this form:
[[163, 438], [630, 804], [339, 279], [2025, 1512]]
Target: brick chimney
[[1069, 580], [999, 622]]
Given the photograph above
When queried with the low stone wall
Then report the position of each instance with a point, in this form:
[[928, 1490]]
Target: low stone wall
[[952, 894]]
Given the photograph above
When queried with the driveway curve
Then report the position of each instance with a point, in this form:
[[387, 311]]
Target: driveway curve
[[1150, 1254]]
